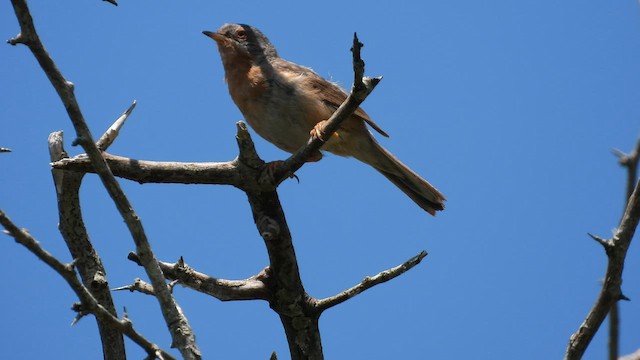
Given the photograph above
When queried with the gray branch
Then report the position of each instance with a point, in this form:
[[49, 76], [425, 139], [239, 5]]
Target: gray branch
[[89, 303], [144, 171], [253, 288], [76, 237], [181, 332], [369, 282], [616, 249]]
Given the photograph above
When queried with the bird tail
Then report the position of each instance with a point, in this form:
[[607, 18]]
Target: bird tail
[[418, 189]]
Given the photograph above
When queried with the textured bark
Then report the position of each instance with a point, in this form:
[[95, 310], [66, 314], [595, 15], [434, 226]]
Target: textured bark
[[87, 261]]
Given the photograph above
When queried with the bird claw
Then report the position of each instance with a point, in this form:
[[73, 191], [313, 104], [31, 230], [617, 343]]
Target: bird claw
[[318, 131]]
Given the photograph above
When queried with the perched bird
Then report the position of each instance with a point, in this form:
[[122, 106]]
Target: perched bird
[[283, 102]]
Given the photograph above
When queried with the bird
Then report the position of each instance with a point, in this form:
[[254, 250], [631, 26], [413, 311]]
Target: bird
[[284, 102]]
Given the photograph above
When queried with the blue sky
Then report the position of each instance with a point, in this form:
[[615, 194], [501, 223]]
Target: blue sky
[[509, 108]]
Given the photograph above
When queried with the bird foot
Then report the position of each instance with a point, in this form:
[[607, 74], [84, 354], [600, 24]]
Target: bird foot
[[318, 131]]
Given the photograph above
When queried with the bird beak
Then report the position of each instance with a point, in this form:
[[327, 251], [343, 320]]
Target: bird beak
[[219, 38]]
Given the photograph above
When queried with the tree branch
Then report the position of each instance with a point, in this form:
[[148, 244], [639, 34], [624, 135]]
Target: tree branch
[[630, 161], [362, 87], [89, 303], [86, 258], [181, 333], [144, 171], [253, 288], [611, 289], [138, 285], [370, 282]]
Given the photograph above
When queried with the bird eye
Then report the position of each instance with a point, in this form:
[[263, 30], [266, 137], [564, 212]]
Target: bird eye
[[241, 35]]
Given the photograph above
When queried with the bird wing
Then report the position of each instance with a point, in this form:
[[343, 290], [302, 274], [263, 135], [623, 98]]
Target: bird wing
[[332, 94]]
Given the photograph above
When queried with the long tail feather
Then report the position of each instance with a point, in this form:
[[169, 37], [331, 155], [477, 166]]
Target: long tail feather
[[418, 189]]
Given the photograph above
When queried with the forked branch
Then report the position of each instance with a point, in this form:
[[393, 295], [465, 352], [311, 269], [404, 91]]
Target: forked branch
[[616, 249], [181, 332], [89, 303]]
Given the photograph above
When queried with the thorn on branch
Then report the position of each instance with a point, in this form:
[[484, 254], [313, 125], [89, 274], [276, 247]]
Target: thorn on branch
[[138, 285], [81, 312], [607, 244]]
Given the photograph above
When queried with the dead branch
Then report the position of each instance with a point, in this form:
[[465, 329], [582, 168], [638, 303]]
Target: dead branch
[[253, 288], [88, 303], [143, 171], [86, 258], [181, 332], [369, 282], [138, 285], [630, 161], [616, 249]]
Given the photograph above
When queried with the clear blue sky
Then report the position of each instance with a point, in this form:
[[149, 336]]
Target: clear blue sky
[[509, 108]]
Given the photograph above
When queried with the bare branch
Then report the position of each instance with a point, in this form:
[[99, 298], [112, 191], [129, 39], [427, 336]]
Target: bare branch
[[76, 237], [89, 303], [112, 133], [611, 288], [138, 285], [181, 332], [253, 288], [370, 282], [630, 161], [143, 171]]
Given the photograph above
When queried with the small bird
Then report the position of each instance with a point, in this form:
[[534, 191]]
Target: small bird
[[284, 102]]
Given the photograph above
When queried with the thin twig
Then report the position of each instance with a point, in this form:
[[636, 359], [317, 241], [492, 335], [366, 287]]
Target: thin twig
[[630, 161], [611, 288], [89, 303], [362, 87], [370, 282], [181, 332], [138, 285]]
